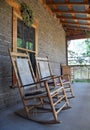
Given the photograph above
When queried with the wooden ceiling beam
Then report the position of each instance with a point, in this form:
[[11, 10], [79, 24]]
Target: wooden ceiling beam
[[73, 34], [88, 10], [78, 28], [67, 3], [78, 34], [75, 23], [72, 18], [76, 31], [70, 8], [69, 12], [81, 36]]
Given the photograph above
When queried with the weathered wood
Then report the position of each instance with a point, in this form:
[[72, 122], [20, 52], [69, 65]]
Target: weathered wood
[[25, 77], [25, 50], [67, 3], [73, 18], [45, 72], [69, 12], [58, 8]]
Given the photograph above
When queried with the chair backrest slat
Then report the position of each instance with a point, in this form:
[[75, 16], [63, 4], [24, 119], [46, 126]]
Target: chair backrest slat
[[24, 71], [43, 67]]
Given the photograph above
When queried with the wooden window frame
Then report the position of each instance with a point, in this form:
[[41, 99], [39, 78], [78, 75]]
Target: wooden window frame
[[35, 25], [16, 13]]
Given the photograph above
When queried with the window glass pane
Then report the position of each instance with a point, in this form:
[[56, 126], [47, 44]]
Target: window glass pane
[[29, 45], [19, 42], [32, 38], [26, 39], [25, 36]]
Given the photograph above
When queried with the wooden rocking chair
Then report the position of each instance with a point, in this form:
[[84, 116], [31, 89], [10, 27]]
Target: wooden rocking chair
[[33, 96], [45, 72]]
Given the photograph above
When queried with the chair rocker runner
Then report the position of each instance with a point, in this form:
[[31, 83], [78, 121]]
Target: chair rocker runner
[[45, 72], [33, 96]]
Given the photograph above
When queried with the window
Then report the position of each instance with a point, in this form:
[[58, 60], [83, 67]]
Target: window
[[24, 38]]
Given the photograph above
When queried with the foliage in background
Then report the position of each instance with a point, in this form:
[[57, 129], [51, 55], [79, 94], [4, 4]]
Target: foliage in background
[[81, 80], [87, 41], [82, 58], [75, 58]]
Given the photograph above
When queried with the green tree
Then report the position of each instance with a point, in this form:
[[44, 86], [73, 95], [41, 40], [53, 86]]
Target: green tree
[[76, 58], [87, 41]]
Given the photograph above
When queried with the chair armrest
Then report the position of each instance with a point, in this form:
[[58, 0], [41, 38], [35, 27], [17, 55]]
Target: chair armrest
[[48, 77], [34, 83], [41, 80]]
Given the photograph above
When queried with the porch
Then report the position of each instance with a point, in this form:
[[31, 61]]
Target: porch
[[52, 44], [76, 118], [80, 73]]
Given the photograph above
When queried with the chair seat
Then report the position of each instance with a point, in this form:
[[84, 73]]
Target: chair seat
[[36, 93], [33, 93], [56, 89], [40, 92], [66, 82]]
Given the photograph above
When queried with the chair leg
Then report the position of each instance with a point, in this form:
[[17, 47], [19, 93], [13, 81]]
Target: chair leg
[[26, 108], [24, 103], [64, 92], [71, 90], [66, 99], [51, 103]]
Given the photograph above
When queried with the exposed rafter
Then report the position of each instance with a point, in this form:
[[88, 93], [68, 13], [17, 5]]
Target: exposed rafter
[[81, 24], [69, 12], [78, 28], [67, 3], [74, 16]]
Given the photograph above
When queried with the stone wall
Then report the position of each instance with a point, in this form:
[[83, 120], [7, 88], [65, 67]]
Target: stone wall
[[7, 95], [51, 43]]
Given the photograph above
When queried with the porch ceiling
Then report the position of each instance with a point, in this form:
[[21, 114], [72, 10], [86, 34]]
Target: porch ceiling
[[74, 16]]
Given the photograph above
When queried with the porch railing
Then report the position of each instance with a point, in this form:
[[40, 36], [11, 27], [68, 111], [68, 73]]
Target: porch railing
[[80, 72]]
